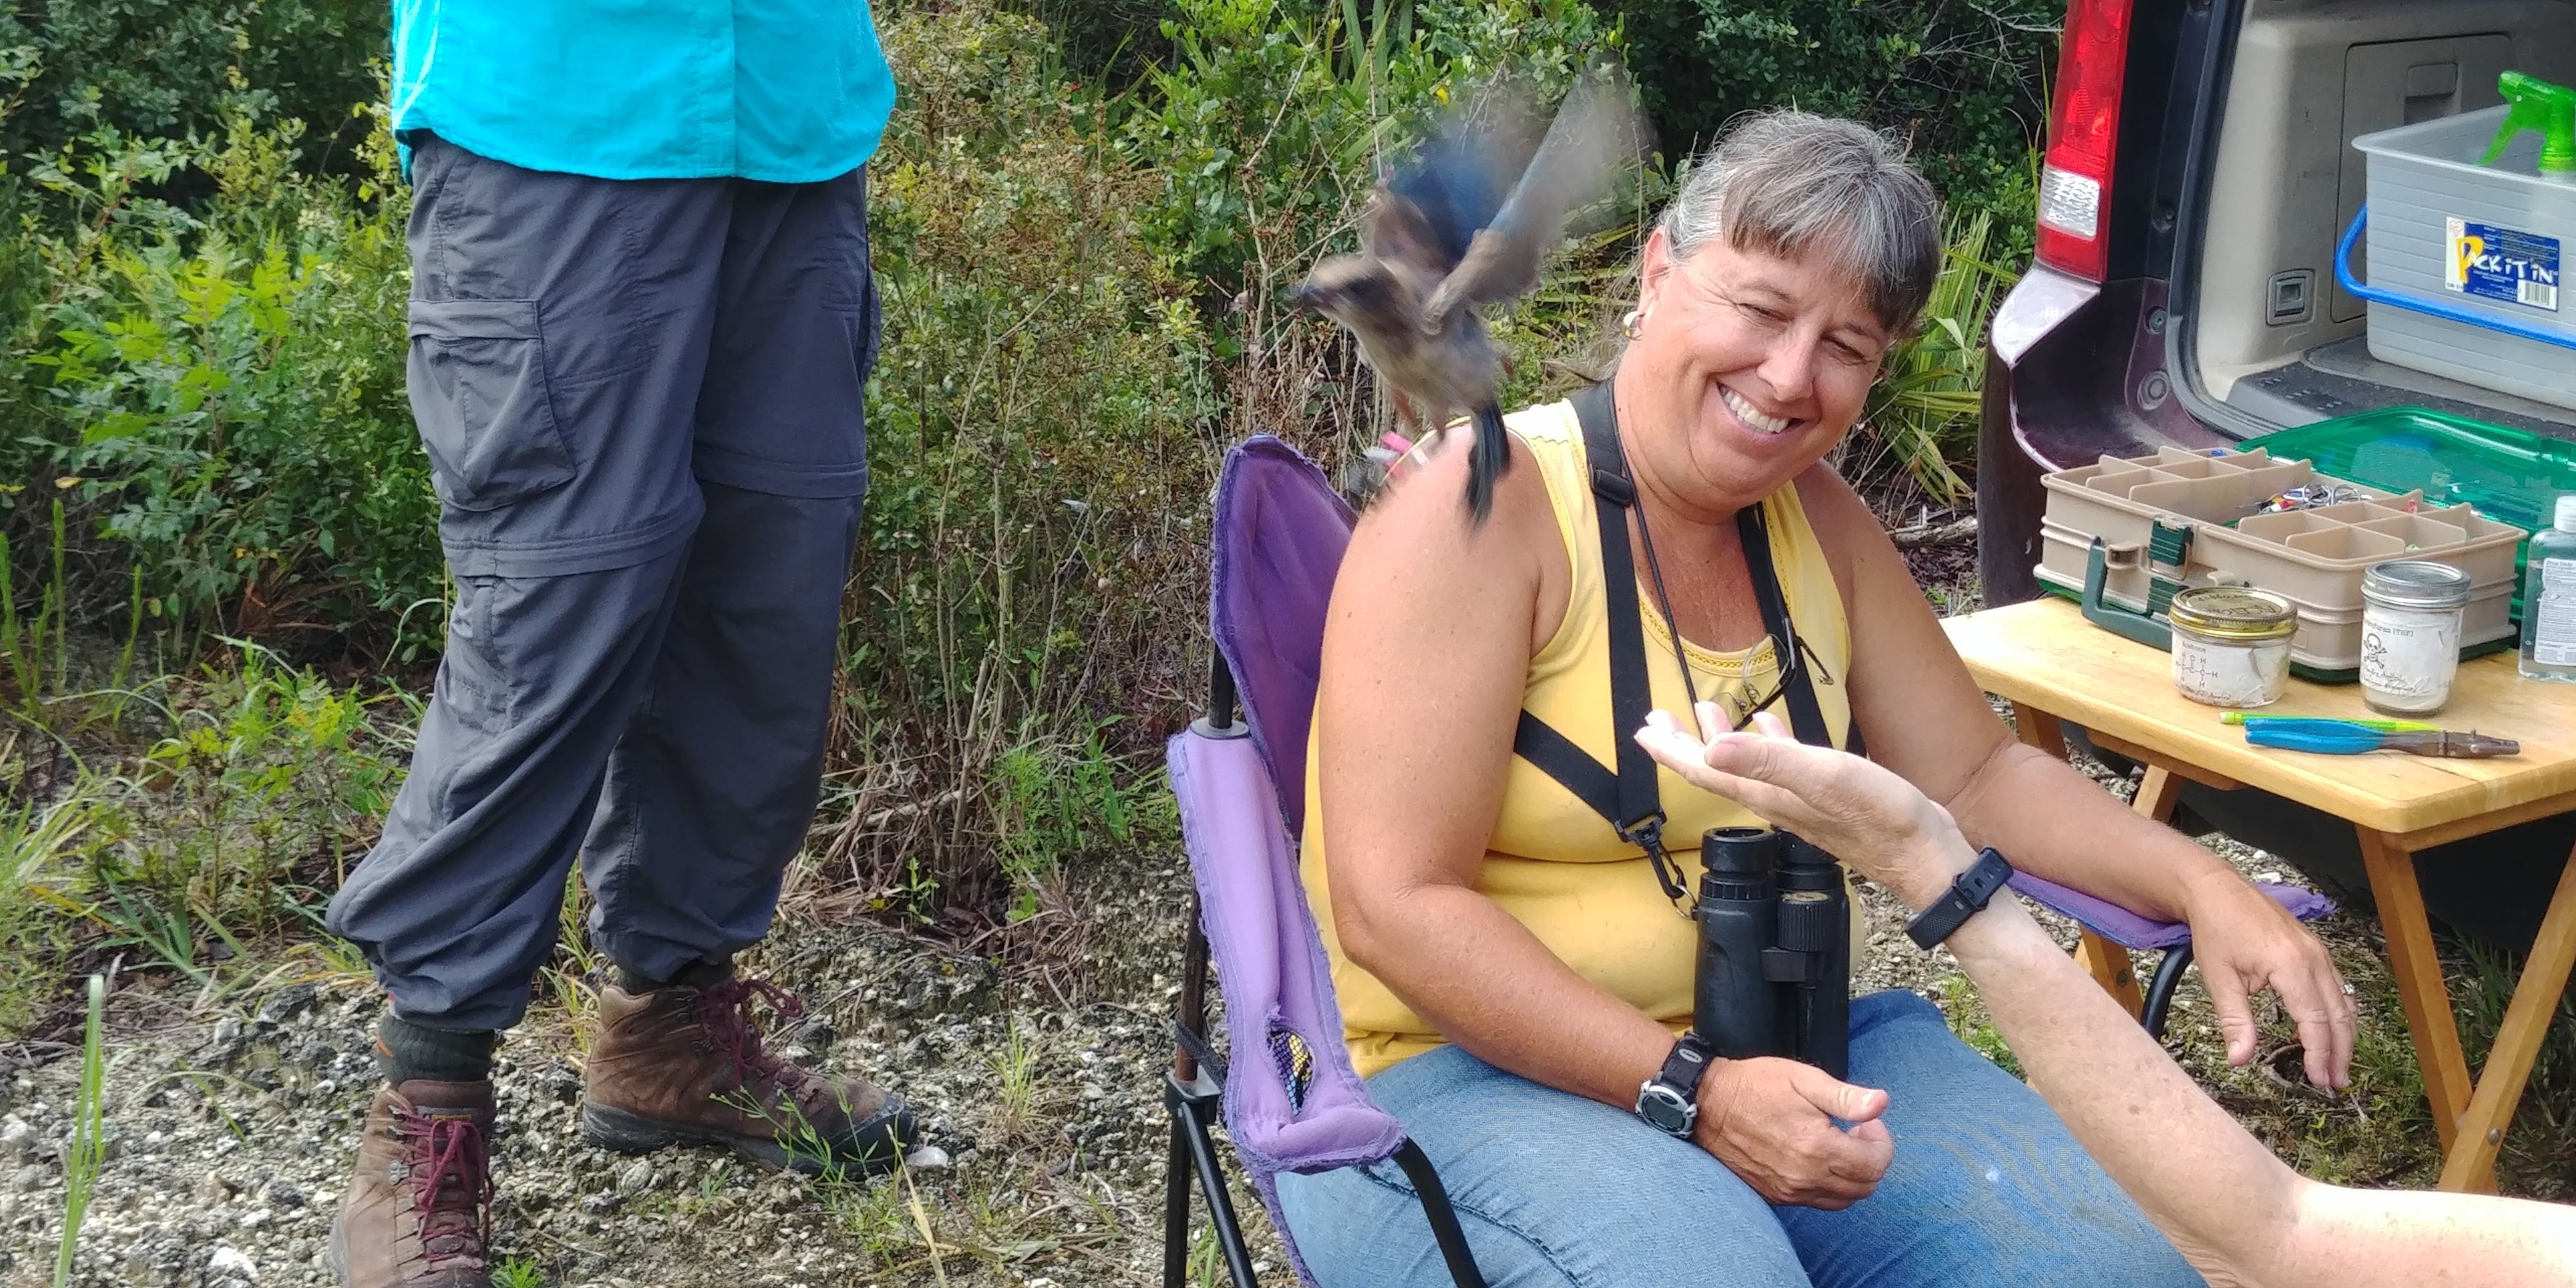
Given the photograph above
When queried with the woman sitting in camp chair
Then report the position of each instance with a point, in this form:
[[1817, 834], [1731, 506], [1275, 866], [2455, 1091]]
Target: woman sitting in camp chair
[[1511, 969]]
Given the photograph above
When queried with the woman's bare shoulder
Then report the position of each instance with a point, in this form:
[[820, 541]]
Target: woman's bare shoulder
[[1416, 543], [1844, 526]]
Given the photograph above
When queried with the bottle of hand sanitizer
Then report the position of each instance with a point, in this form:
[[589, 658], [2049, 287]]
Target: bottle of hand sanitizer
[[2549, 600]]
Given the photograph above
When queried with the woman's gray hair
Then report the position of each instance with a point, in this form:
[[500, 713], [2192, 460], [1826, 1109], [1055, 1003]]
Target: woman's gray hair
[[1798, 186]]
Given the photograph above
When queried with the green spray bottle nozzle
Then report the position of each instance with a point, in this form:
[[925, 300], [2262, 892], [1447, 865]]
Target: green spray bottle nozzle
[[2535, 104]]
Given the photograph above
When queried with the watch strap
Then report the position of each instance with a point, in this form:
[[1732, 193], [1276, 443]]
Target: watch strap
[[1966, 897], [1669, 1101], [1687, 1064]]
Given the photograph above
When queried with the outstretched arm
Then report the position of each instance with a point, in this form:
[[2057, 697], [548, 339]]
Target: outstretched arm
[[1924, 718], [2236, 1211]]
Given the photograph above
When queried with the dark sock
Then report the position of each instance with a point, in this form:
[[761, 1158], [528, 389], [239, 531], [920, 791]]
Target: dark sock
[[409, 1052], [697, 972]]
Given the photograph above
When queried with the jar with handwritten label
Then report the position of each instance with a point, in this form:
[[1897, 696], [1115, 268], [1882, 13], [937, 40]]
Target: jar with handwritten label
[[2410, 634], [2231, 645]]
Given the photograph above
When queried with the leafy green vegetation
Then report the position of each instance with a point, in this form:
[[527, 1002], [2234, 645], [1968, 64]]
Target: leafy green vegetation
[[220, 584], [1921, 418], [1964, 82]]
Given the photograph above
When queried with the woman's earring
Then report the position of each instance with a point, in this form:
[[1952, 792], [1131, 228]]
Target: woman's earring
[[1628, 324]]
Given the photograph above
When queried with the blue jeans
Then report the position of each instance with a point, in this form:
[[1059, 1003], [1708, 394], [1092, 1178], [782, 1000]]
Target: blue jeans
[[1987, 1187]]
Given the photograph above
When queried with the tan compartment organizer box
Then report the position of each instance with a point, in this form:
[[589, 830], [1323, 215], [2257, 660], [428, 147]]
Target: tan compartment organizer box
[[2179, 519]]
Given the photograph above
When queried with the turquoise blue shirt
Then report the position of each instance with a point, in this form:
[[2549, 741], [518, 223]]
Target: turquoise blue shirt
[[787, 91]]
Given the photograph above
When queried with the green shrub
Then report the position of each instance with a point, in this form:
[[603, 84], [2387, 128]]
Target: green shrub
[[1040, 439], [1080, 280], [1963, 81], [226, 387], [1065, 358], [176, 68], [1270, 122], [1921, 418]]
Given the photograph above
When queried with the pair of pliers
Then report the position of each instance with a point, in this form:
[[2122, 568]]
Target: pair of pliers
[[2345, 738]]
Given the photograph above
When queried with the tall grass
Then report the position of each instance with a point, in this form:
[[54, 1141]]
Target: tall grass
[[88, 1149], [266, 781], [1921, 418]]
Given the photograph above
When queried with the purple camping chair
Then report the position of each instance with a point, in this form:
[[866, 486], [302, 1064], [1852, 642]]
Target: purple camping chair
[[1291, 1100], [2145, 934]]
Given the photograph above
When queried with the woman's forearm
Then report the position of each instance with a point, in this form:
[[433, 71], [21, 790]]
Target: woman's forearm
[[2086, 838], [2234, 1210], [1486, 983]]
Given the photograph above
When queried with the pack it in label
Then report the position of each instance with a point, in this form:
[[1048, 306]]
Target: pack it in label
[[2497, 263]]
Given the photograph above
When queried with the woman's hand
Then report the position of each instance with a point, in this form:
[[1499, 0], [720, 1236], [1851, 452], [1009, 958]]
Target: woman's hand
[[1771, 1121], [1860, 813]]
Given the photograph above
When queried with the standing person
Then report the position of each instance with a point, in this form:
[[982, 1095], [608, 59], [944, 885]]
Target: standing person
[[641, 322]]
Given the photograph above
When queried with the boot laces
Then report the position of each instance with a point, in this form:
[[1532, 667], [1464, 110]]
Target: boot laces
[[725, 1011], [453, 1196]]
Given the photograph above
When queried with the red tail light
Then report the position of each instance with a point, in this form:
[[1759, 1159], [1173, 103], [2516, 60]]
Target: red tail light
[[2083, 139]]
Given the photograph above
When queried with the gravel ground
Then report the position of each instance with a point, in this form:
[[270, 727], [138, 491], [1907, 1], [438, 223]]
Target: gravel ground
[[231, 1130]]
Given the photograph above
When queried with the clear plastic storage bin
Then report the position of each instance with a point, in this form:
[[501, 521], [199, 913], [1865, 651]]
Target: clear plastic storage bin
[[2463, 259]]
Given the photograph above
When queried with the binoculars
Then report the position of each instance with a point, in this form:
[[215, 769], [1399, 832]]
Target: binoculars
[[1774, 972]]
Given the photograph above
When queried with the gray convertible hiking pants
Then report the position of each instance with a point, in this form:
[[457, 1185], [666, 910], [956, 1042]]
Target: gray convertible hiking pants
[[641, 403]]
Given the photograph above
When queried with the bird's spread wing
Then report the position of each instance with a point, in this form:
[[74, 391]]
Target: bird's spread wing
[[1459, 178], [1396, 228], [1595, 137]]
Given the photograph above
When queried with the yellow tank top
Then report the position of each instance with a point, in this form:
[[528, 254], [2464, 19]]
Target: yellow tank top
[[1553, 863]]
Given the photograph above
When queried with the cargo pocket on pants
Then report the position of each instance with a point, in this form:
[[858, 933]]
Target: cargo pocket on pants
[[479, 393]]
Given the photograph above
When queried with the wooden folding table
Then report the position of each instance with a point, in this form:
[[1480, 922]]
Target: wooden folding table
[[2053, 665]]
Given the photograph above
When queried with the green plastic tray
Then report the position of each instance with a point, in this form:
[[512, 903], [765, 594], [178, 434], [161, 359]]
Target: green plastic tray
[[2510, 475]]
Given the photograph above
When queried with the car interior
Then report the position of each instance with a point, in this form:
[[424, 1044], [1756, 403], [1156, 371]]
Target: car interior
[[2266, 337]]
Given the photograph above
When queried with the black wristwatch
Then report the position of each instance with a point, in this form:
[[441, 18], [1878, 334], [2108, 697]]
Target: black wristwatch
[[1669, 1101], [1965, 898]]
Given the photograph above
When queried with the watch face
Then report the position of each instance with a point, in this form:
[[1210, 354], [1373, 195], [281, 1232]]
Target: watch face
[[1665, 1110]]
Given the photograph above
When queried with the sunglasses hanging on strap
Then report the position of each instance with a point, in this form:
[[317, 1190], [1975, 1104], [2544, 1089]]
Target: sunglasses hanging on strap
[[1628, 796]]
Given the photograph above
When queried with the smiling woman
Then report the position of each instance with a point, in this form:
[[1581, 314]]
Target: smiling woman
[[1512, 972]]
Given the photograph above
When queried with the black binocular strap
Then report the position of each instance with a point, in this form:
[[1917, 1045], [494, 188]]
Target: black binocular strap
[[1629, 797], [1806, 718]]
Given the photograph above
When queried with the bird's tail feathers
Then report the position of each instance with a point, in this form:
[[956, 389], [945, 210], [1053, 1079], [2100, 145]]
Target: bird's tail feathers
[[1491, 456]]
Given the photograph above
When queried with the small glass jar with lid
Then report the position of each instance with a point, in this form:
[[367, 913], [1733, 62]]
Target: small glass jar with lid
[[2410, 634], [2231, 645]]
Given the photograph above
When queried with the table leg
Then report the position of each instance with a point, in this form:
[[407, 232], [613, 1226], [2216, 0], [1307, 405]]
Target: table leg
[[2471, 1161], [2039, 729], [2159, 790], [2419, 979], [2108, 964]]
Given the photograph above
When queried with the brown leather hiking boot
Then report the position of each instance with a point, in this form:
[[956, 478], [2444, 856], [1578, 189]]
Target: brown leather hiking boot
[[685, 1065], [419, 1208]]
